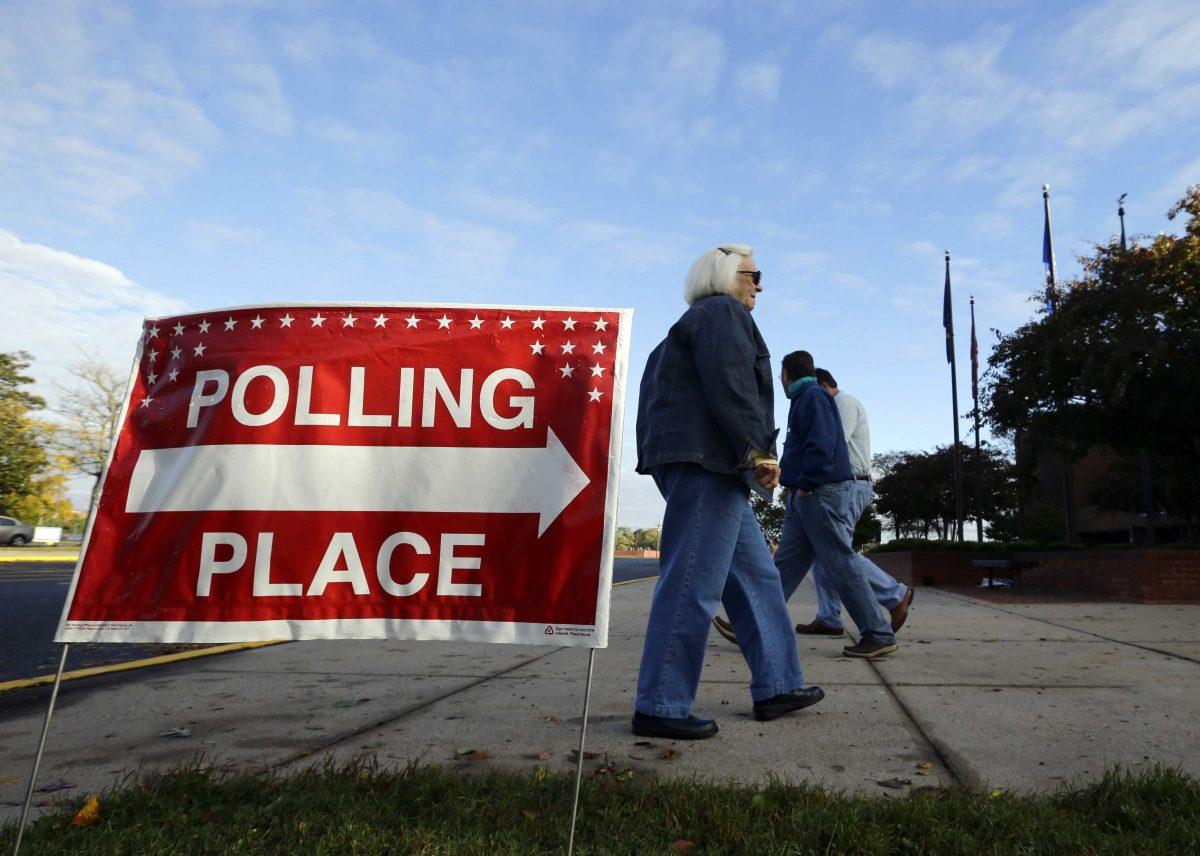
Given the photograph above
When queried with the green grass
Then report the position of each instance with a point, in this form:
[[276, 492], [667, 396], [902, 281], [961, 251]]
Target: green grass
[[360, 809]]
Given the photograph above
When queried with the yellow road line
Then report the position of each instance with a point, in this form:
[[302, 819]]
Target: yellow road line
[[134, 664], [61, 559]]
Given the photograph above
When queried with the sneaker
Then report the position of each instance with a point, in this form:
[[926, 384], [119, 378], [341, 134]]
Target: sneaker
[[900, 613], [724, 628], [869, 650], [815, 628], [775, 707]]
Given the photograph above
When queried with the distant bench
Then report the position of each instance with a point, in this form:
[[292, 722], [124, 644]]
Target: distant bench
[[1007, 563]]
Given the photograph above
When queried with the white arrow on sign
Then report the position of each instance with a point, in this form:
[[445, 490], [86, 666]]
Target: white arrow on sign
[[539, 480]]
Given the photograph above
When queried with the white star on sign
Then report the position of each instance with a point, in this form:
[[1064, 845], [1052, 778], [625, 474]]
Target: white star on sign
[[175, 352], [537, 347], [256, 322], [569, 348], [204, 325], [597, 348], [286, 320], [198, 350], [380, 320], [597, 370], [412, 321], [152, 332], [600, 324], [349, 320], [318, 320], [443, 322], [567, 371], [595, 394], [569, 324], [153, 354], [507, 323], [178, 328], [174, 373], [146, 402], [476, 323], [230, 323], [539, 323], [151, 378]]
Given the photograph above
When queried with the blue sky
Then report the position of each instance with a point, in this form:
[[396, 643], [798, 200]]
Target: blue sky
[[199, 153]]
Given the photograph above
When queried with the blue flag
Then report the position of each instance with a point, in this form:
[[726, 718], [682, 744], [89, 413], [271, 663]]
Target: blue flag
[[1048, 258]]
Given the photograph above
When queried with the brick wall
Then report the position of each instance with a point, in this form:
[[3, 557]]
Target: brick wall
[[1145, 576]]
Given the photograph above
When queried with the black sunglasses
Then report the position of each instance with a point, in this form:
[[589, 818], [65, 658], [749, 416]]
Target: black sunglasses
[[756, 275]]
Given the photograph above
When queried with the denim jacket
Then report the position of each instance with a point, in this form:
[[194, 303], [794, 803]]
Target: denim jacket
[[707, 395], [815, 451]]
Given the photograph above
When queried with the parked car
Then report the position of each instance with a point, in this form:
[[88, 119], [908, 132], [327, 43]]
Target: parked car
[[14, 533]]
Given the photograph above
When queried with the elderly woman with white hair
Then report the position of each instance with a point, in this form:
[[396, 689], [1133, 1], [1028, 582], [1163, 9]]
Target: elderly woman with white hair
[[706, 433]]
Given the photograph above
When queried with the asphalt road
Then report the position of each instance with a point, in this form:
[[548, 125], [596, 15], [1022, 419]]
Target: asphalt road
[[31, 601]]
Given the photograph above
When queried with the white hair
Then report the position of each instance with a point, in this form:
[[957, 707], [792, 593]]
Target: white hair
[[715, 272]]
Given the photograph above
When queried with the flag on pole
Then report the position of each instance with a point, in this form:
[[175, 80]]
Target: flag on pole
[[1048, 252], [1121, 214], [974, 358], [948, 314]]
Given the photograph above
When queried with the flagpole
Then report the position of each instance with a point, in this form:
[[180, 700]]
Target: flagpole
[[978, 457], [1051, 302], [948, 323]]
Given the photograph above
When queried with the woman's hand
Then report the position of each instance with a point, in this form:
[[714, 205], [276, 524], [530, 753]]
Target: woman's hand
[[767, 475]]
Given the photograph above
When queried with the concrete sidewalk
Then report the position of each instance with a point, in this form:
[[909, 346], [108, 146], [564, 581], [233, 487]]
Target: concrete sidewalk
[[1021, 697]]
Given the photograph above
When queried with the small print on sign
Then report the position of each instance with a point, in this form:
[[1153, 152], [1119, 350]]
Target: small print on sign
[[322, 472]]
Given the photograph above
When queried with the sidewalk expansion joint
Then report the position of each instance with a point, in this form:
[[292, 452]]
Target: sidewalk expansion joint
[[1142, 647], [293, 757]]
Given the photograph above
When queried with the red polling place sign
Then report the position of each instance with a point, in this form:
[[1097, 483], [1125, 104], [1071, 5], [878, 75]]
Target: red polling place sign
[[361, 472]]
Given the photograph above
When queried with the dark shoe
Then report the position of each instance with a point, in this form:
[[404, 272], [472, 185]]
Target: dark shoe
[[815, 628], [773, 708], [870, 650], [900, 612], [724, 628], [688, 728]]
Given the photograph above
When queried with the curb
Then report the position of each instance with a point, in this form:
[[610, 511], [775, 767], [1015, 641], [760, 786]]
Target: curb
[[60, 559], [42, 680]]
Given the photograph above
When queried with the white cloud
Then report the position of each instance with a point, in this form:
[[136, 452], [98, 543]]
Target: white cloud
[[760, 81], [56, 303], [256, 96]]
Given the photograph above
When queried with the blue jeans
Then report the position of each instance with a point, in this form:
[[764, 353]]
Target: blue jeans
[[820, 527], [712, 544], [888, 592]]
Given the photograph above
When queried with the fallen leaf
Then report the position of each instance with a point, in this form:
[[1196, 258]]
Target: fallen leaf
[[667, 754], [89, 814], [894, 783], [9, 780], [925, 765], [463, 750], [996, 793], [543, 756], [573, 757], [476, 755], [178, 733], [682, 845], [539, 773], [924, 772], [529, 815], [60, 785]]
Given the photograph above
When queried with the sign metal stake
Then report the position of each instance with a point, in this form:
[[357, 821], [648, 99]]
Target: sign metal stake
[[587, 695], [37, 759]]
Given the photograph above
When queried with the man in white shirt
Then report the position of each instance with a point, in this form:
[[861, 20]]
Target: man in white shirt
[[893, 596]]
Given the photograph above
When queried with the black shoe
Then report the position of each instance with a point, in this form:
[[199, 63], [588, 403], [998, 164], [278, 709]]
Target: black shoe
[[724, 628], [773, 708], [688, 728], [816, 628], [870, 650]]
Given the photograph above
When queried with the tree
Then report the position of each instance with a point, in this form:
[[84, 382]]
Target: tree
[[869, 529], [46, 503], [1114, 364], [916, 489], [22, 455], [91, 409], [770, 514], [1176, 493]]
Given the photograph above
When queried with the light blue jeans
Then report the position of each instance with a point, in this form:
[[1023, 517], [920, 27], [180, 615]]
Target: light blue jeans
[[820, 527], [712, 545], [888, 591]]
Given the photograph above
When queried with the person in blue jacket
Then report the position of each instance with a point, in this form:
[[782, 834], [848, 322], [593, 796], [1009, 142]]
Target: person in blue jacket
[[819, 521], [706, 433]]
